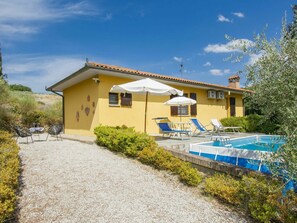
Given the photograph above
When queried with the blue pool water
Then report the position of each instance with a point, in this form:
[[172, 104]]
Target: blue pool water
[[260, 143], [243, 162], [245, 152]]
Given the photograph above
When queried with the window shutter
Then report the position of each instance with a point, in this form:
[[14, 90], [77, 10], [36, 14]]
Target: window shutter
[[193, 107], [232, 107], [126, 99], [173, 109], [113, 98]]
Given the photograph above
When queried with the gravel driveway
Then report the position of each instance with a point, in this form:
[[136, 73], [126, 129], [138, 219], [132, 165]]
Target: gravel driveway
[[70, 181]]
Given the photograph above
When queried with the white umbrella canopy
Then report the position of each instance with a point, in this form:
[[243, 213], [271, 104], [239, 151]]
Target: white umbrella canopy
[[176, 101], [146, 86], [180, 101]]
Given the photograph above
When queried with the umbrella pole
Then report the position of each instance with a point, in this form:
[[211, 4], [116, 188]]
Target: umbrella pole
[[145, 112], [179, 113]]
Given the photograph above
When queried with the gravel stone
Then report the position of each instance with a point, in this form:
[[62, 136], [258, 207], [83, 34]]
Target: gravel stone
[[71, 181]]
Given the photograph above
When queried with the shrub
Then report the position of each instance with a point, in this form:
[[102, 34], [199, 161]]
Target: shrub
[[19, 87], [164, 160], [23, 102], [7, 201], [9, 173], [258, 194], [268, 126], [287, 207], [252, 123], [127, 141], [53, 114], [4, 92], [7, 119], [224, 187], [160, 159], [189, 175], [31, 117], [148, 156], [235, 121], [6, 116], [265, 200], [122, 139]]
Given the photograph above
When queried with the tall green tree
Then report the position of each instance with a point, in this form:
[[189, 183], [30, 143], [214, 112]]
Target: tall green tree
[[2, 75], [1, 71], [19, 87], [273, 78], [5, 115], [292, 28]]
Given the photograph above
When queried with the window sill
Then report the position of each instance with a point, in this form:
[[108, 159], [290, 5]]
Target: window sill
[[122, 106]]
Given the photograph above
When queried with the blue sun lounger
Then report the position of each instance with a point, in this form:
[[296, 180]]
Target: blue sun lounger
[[166, 129], [199, 127]]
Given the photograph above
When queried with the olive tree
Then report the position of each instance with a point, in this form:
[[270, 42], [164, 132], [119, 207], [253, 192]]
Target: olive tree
[[273, 78], [5, 97]]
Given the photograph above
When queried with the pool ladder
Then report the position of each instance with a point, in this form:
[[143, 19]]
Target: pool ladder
[[224, 140]]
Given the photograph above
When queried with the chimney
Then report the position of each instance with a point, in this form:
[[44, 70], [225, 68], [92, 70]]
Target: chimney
[[234, 81]]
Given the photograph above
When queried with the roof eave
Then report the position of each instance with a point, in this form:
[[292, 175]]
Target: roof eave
[[57, 87], [163, 77], [76, 73]]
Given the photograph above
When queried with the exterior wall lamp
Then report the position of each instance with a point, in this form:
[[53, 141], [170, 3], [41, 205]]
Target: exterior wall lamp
[[96, 80]]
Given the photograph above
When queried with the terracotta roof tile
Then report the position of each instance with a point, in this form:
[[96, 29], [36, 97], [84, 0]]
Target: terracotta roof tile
[[159, 76]]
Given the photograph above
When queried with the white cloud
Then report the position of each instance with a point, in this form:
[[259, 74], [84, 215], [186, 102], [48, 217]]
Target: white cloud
[[80, 8], [232, 46], [19, 17], [219, 72], [207, 64], [38, 72], [254, 58], [216, 72], [238, 14], [11, 30], [178, 59], [227, 71], [37, 10], [222, 18]]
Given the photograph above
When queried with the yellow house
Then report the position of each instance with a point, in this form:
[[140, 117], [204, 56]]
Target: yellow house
[[88, 102]]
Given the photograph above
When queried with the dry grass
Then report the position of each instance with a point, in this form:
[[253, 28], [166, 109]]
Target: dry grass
[[47, 99]]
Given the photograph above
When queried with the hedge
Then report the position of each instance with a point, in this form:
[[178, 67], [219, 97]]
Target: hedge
[[9, 174], [224, 187], [252, 123], [164, 160], [122, 139], [143, 147], [259, 196]]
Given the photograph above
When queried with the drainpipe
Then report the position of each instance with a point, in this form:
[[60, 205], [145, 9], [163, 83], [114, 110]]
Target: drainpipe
[[228, 104], [63, 108]]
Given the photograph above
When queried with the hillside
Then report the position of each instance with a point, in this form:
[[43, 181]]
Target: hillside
[[47, 99]]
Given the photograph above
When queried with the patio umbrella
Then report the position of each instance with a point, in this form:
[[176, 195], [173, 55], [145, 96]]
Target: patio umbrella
[[146, 86], [180, 101]]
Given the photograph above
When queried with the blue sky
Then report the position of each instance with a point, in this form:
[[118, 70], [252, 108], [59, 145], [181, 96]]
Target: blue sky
[[44, 41]]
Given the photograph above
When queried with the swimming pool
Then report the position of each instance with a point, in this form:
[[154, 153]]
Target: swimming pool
[[247, 152]]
